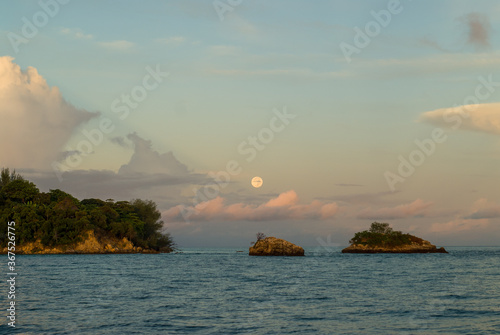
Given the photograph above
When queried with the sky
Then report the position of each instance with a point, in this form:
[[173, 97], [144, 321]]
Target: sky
[[350, 112]]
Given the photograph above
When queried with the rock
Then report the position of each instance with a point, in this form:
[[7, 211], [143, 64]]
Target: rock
[[272, 246], [89, 244], [420, 247]]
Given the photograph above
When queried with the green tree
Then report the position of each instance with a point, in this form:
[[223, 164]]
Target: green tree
[[380, 228], [57, 218], [20, 190], [153, 237], [6, 176], [380, 234]]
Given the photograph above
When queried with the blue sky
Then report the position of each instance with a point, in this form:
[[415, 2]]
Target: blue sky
[[353, 118]]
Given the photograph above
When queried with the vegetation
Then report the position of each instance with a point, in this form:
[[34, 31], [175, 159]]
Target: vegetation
[[57, 218], [380, 234], [260, 236]]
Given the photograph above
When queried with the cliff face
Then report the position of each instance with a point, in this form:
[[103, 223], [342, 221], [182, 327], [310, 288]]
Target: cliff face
[[421, 247], [90, 244], [272, 246]]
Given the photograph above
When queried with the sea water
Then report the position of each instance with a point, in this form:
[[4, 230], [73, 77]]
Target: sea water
[[222, 291]]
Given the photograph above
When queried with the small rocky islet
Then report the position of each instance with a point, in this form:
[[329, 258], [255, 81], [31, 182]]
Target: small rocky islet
[[272, 246], [382, 239]]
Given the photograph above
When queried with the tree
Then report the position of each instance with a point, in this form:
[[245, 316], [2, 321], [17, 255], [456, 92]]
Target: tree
[[6, 177], [20, 190], [148, 213], [380, 228], [260, 236], [380, 234], [153, 237], [57, 218], [58, 195], [92, 203]]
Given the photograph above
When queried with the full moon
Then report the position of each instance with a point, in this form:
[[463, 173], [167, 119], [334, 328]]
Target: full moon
[[256, 182]]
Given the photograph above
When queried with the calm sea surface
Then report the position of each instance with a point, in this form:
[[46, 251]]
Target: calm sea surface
[[221, 291]]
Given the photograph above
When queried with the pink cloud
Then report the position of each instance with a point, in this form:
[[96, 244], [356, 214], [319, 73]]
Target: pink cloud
[[284, 207], [412, 209], [481, 214], [484, 209], [284, 199], [459, 225]]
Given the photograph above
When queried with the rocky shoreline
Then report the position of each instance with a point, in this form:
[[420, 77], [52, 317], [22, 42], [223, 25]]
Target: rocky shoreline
[[425, 248], [91, 244]]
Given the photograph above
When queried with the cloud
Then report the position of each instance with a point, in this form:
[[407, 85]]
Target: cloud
[[413, 209], [119, 45], [36, 120], [146, 160], [121, 141], [481, 213], [224, 50], [284, 207], [299, 73], [76, 34], [148, 175], [375, 198], [482, 117], [441, 63], [458, 225], [244, 27], [171, 40], [478, 30], [484, 209], [429, 42]]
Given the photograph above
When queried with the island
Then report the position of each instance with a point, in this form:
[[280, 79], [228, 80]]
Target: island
[[272, 246], [382, 239], [55, 222]]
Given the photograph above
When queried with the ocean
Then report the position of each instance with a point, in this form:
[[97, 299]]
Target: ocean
[[222, 291]]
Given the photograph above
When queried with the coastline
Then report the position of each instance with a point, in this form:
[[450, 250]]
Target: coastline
[[90, 244]]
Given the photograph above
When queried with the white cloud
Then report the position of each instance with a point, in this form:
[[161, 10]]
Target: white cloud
[[76, 33], [36, 120], [482, 117], [146, 160]]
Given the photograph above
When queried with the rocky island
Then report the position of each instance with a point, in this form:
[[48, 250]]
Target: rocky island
[[57, 223], [272, 246], [382, 239]]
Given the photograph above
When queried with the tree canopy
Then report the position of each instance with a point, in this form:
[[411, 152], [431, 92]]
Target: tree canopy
[[58, 218], [381, 234], [380, 228]]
